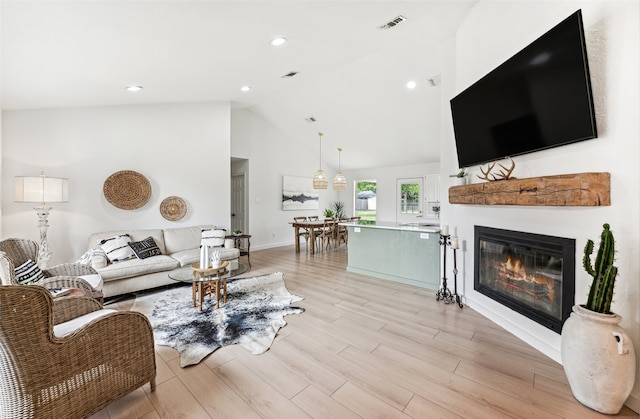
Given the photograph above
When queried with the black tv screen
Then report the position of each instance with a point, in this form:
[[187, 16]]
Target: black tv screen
[[539, 98]]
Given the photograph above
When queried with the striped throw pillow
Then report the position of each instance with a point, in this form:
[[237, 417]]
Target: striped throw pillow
[[213, 237], [117, 248], [28, 273]]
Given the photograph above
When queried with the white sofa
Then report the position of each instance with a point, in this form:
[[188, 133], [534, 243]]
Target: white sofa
[[179, 247]]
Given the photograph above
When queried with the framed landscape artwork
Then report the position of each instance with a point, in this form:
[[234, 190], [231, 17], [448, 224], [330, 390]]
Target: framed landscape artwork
[[298, 194]]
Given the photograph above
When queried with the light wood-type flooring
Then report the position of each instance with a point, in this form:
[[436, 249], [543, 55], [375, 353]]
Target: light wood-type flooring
[[364, 348]]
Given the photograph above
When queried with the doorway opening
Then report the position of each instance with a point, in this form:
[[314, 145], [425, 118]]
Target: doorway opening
[[365, 201], [239, 210]]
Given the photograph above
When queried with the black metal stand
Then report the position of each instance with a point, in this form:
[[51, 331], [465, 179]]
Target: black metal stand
[[455, 279], [444, 293]]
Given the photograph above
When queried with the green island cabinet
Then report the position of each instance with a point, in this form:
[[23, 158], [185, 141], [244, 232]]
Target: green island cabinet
[[407, 253]]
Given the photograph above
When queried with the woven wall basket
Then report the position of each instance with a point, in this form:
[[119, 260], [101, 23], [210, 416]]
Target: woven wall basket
[[173, 208], [127, 190]]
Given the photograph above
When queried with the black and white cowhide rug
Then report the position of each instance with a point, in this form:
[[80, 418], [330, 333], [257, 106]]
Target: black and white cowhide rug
[[252, 316]]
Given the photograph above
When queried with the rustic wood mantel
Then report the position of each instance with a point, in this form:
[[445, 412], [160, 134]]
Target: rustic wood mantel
[[579, 189]]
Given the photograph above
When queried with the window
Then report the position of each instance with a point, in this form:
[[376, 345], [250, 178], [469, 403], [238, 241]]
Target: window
[[409, 199]]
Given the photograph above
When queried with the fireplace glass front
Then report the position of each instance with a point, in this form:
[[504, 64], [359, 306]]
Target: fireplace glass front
[[530, 273]]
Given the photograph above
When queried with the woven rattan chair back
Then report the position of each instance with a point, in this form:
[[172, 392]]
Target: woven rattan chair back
[[7, 273], [20, 250], [44, 376], [14, 252]]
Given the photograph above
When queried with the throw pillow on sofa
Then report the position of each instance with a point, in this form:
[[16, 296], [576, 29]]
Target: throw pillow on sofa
[[95, 257], [117, 248], [28, 273], [145, 248], [213, 237]]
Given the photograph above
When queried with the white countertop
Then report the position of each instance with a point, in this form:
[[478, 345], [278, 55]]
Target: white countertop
[[421, 226]]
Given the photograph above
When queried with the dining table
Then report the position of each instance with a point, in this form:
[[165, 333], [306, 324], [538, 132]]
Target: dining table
[[312, 227]]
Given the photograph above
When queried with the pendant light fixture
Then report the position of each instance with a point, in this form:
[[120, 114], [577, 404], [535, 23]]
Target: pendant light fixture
[[320, 180], [339, 182]]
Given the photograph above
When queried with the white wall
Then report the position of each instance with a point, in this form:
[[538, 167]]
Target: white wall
[[270, 158], [182, 149], [386, 178], [492, 32]]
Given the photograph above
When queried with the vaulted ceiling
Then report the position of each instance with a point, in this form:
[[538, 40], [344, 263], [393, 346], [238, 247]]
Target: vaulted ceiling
[[351, 77]]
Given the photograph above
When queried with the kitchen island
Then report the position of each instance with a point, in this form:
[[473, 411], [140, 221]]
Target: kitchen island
[[401, 252]]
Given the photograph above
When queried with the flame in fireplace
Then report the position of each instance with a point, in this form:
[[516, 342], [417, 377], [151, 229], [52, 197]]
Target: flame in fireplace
[[514, 268], [513, 271]]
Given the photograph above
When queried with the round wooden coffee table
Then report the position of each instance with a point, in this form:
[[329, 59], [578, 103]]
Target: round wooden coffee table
[[207, 281]]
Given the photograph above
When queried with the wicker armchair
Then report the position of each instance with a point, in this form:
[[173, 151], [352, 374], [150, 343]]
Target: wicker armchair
[[14, 252], [66, 370]]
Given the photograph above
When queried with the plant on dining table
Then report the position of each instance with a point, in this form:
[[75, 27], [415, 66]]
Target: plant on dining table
[[338, 209]]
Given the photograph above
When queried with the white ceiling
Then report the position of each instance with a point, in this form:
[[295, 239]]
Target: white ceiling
[[351, 78]]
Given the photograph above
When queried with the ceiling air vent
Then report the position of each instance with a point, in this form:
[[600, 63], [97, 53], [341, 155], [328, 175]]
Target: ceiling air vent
[[393, 23], [290, 74]]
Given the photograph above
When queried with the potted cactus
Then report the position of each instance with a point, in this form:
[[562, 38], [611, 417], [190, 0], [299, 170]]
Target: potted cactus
[[597, 354], [603, 272]]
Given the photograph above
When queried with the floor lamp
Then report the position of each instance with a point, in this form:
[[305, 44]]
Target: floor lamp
[[42, 189]]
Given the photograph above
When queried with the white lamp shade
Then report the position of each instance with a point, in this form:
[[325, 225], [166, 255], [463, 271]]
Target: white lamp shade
[[41, 189], [339, 182], [320, 180]]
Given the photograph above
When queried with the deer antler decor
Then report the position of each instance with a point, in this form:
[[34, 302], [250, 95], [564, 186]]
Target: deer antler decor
[[485, 175], [505, 173]]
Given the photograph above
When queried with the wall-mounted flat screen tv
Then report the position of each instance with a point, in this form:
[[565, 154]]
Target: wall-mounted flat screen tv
[[538, 99]]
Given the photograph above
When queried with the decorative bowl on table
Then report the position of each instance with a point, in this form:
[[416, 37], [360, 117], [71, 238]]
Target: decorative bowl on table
[[196, 267], [237, 233]]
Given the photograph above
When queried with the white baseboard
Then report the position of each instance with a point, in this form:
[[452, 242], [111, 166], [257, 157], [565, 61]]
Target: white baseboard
[[272, 245], [517, 330]]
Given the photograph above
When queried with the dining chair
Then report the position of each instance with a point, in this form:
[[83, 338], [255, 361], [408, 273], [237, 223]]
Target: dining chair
[[316, 230], [302, 232], [341, 232], [326, 234]]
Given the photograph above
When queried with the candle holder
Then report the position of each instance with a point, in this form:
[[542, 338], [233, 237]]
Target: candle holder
[[458, 300], [444, 293]]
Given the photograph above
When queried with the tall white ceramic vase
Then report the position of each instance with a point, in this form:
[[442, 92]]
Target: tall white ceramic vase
[[598, 359]]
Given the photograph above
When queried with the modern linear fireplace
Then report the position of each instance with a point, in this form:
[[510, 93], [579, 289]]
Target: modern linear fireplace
[[530, 273]]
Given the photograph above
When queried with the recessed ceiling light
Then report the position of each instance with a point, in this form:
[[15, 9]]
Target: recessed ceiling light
[[411, 84], [245, 88], [133, 88], [276, 42]]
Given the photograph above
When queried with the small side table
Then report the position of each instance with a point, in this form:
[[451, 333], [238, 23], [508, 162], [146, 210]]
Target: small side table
[[206, 280], [243, 243]]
